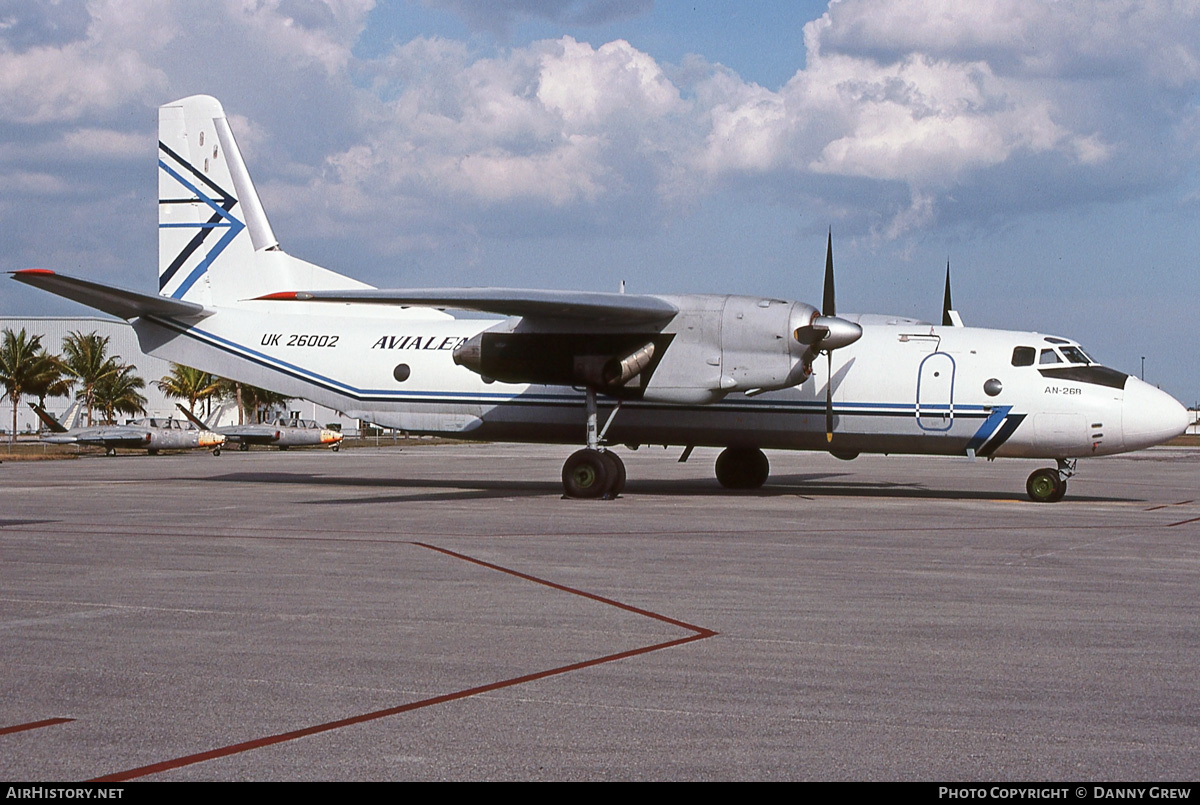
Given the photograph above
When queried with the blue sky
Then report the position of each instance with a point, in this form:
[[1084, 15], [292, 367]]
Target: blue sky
[[1049, 150]]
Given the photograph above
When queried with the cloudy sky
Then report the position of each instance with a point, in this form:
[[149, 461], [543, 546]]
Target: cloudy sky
[[1049, 149]]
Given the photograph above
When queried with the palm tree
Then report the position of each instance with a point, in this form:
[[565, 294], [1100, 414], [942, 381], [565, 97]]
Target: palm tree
[[85, 357], [23, 366], [250, 399], [186, 383], [118, 393], [53, 382]]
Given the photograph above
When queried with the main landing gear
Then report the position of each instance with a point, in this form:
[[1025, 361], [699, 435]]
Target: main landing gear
[[742, 468], [595, 471], [1049, 486]]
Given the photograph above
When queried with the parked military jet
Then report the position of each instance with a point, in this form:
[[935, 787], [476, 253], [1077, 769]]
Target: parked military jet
[[282, 433], [739, 372], [151, 434]]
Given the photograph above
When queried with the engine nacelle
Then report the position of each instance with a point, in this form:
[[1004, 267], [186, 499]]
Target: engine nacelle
[[713, 346]]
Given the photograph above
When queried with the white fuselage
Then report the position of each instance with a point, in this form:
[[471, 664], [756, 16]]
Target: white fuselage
[[903, 387]]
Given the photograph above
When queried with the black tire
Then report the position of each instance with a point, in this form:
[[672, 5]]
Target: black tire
[[742, 468], [616, 474], [216, 451], [1059, 491], [1044, 486], [585, 474], [243, 446]]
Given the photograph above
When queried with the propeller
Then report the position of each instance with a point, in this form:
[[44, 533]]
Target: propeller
[[950, 317], [827, 332], [946, 304]]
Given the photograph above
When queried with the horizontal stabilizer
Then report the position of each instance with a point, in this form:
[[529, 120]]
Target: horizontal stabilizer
[[118, 302], [572, 305]]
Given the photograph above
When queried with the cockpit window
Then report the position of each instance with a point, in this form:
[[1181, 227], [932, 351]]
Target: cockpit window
[[1049, 356], [1075, 355], [1023, 356]]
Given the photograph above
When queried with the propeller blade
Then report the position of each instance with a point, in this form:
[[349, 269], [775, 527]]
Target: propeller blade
[[827, 304], [829, 401], [946, 305]]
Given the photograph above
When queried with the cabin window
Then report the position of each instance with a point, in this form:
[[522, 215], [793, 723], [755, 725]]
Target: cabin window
[[1023, 356], [1049, 356]]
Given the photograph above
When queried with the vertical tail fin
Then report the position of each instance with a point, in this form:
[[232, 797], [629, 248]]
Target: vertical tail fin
[[49, 421], [215, 244]]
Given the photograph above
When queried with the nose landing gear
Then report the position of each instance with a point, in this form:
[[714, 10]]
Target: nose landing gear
[[1049, 486]]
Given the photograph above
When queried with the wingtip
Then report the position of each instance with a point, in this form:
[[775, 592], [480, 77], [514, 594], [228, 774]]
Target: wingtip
[[286, 296]]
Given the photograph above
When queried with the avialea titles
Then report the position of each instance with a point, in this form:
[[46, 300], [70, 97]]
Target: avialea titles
[[433, 342]]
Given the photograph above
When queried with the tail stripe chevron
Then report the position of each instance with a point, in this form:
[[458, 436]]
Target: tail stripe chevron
[[221, 219]]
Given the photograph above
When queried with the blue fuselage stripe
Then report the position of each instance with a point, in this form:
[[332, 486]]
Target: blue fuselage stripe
[[992, 416]]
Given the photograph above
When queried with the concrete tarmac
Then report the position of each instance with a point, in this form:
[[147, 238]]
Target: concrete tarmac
[[442, 613]]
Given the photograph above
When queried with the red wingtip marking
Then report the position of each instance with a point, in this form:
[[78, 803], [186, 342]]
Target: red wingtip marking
[[288, 295], [34, 271]]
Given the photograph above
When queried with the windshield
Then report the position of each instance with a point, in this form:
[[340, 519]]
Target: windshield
[[1075, 355]]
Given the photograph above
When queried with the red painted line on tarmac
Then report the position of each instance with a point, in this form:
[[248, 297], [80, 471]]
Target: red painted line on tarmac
[[33, 725], [1184, 522], [699, 633], [700, 630], [1168, 505]]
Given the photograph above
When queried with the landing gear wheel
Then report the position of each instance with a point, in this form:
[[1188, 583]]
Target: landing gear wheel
[[244, 446], [742, 468], [216, 451], [616, 474], [586, 474], [1045, 486], [336, 447], [110, 451], [1059, 492]]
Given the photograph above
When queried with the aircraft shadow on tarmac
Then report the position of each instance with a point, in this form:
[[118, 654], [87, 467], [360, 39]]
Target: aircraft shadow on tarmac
[[810, 485]]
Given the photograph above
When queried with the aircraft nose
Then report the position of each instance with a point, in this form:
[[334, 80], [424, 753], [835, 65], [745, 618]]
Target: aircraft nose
[[1150, 416]]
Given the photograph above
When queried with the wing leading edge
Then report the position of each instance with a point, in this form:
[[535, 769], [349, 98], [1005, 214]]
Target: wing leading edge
[[608, 308]]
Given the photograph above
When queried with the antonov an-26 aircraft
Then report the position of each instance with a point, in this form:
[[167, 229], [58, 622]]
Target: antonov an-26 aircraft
[[597, 369]]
